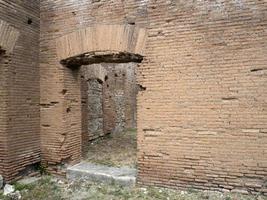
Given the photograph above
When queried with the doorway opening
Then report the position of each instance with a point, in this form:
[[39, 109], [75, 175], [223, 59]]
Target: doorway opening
[[109, 113], [108, 107]]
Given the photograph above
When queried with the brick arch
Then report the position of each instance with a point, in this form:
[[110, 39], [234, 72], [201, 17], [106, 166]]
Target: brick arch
[[117, 42], [8, 37], [102, 38]]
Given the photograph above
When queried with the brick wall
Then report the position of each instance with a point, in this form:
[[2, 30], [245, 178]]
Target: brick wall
[[202, 121], [120, 91], [201, 112], [4, 60], [20, 88], [61, 133]]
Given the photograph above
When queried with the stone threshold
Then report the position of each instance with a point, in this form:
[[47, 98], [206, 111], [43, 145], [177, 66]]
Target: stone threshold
[[86, 171]]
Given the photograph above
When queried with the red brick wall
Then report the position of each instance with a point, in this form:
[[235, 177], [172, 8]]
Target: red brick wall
[[4, 60], [202, 121], [201, 116], [60, 134], [20, 124]]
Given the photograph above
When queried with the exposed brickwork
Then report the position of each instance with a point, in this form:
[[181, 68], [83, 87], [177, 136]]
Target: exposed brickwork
[[4, 61], [61, 138], [19, 88], [201, 120], [102, 38], [8, 37], [120, 96], [201, 115]]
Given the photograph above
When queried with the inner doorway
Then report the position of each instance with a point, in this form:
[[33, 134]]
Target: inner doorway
[[109, 109], [108, 90]]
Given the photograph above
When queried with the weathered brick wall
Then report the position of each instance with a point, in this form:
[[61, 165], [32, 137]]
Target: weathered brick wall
[[120, 91], [201, 112], [92, 79], [20, 90], [211, 118], [84, 104], [95, 108], [60, 134], [202, 119], [4, 60]]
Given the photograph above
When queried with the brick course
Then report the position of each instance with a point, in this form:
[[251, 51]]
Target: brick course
[[201, 117], [202, 108], [20, 88], [209, 129]]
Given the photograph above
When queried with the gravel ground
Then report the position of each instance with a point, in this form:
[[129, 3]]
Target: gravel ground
[[116, 150], [49, 188]]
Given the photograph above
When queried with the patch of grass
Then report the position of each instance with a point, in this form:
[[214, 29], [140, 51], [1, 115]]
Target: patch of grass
[[41, 168], [191, 190], [21, 187], [2, 196], [228, 198], [50, 189], [108, 162], [45, 189], [132, 130], [116, 149]]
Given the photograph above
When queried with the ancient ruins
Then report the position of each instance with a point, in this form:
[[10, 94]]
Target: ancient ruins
[[189, 75]]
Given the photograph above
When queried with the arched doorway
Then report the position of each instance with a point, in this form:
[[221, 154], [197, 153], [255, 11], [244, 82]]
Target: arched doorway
[[108, 105], [93, 45]]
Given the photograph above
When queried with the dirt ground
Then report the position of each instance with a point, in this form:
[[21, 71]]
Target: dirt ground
[[113, 150], [50, 188], [116, 149]]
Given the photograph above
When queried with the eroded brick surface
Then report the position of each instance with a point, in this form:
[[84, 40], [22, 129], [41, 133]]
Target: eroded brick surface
[[19, 87], [95, 108], [120, 91], [201, 118], [201, 109], [4, 61], [61, 139]]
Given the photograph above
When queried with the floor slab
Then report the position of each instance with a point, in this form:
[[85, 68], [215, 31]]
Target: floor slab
[[99, 173]]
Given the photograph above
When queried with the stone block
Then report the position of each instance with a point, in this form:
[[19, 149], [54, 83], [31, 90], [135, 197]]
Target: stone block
[[1, 181]]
